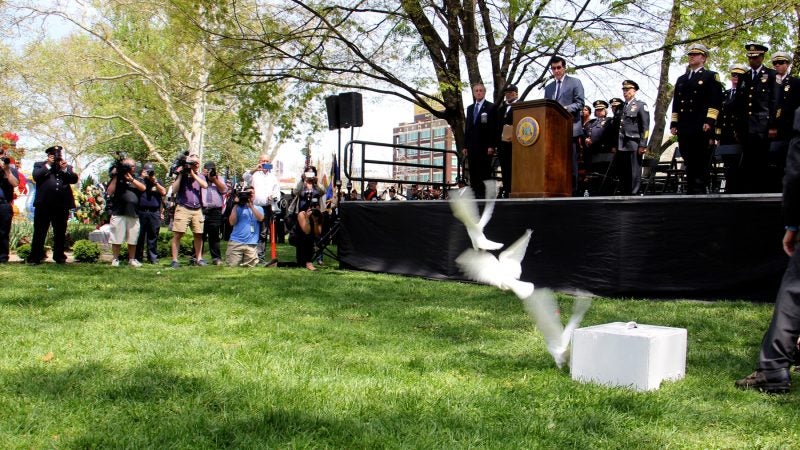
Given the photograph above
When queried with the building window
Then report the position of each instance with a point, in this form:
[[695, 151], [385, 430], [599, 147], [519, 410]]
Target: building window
[[413, 136], [439, 145], [425, 134], [439, 132], [437, 176], [438, 161]]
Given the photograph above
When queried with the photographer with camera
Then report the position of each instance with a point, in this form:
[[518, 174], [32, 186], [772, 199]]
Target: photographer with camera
[[213, 201], [150, 203], [307, 209], [245, 219], [267, 193], [125, 189], [52, 203], [188, 214], [9, 179]]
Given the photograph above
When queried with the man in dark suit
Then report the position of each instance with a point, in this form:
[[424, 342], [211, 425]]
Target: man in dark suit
[[52, 204], [568, 91], [755, 109], [726, 135], [503, 118], [695, 108], [778, 346], [634, 130], [480, 136]]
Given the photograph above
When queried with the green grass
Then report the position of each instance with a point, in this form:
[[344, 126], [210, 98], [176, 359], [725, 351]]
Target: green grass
[[275, 358]]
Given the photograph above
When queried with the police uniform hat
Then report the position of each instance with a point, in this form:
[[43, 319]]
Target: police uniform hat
[[209, 165], [781, 56], [755, 49], [630, 84], [54, 149], [739, 69], [511, 88], [616, 101], [600, 104], [697, 48]]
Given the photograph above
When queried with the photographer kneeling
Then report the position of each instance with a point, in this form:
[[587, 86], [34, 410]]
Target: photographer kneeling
[[125, 191], [245, 218]]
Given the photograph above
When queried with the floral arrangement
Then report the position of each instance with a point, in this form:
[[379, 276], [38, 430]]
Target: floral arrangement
[[91, 205]]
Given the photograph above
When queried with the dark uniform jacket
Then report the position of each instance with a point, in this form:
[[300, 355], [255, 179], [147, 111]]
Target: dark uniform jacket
[[787, 100], [634, 127], [53, 186], [597, 130], [755, 101], [726, 123], [697, 101]]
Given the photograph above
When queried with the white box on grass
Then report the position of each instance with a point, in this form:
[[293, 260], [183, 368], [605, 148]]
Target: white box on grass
[[628, 354]]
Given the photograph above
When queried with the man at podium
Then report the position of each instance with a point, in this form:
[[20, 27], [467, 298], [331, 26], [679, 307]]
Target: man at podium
[[568, 91]]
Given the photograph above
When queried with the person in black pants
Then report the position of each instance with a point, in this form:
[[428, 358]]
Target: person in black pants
[[778, 347], [213, 202], [52, 203], [9, 179], [150, 202]]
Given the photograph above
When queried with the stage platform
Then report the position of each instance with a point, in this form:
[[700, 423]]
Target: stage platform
[[661, 247]]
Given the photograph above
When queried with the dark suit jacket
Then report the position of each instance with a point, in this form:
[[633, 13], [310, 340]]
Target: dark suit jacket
[[480, 135], [755, 101], [697, 102], [571, 98], [53, 186]]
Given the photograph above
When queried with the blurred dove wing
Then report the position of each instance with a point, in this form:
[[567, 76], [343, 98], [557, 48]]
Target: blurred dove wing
[[465, 209], [480, 266], [511, 258], [491, 197], [543, 309]]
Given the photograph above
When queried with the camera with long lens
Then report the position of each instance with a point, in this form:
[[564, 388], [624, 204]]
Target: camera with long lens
[[244, 197], [122, 167], [180, 161]]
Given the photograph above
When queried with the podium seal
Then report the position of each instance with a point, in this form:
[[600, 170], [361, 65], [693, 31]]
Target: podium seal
[[527, 131]]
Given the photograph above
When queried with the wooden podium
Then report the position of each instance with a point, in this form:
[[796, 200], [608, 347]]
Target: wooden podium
[[541, 149]]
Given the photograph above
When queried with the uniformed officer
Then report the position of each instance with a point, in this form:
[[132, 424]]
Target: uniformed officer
[[726, 133], [755, 109], [616, 118], [52, 203], [787, 100], [596, 129], [726, 122], [634, 130], [695, 108]]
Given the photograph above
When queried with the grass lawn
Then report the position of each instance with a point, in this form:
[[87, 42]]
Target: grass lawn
[[96, 357]]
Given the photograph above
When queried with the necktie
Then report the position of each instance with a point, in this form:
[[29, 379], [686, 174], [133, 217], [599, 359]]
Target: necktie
[[558, 90], [476, 112], [691, 72], [754, 75]]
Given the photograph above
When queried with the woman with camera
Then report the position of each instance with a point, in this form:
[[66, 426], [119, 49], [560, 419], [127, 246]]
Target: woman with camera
[[309, 203]]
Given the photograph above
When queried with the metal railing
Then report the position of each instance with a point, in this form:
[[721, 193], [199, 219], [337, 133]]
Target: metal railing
[[351, 147]]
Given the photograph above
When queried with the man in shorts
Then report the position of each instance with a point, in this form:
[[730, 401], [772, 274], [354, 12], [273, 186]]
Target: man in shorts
[[188, 210], [124, 190]]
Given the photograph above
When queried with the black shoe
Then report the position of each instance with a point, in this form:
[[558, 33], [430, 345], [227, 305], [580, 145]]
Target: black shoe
[[775, 381]]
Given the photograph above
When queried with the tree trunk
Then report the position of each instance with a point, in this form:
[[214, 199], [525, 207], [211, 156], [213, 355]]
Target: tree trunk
[[665, 88]]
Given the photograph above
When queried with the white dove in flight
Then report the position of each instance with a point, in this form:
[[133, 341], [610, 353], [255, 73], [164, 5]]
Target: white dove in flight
[[503, 271], [465, 209], [543, 310]]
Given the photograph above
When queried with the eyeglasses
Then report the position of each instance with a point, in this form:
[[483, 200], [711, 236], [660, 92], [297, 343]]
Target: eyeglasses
[[627, 89], [779, 63], [754, 56]]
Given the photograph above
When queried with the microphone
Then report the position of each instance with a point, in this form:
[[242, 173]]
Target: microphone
[[545, 81]]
